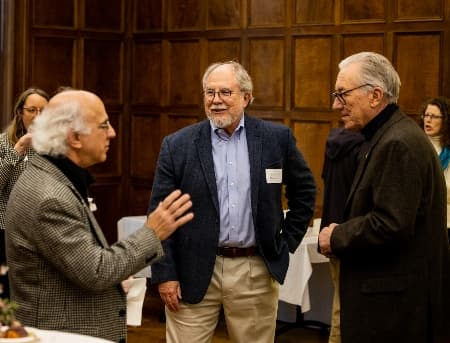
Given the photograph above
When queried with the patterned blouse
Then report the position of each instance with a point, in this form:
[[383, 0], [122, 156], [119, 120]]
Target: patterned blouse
[[11, 166]]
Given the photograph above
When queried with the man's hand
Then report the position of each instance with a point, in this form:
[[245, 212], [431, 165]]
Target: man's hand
[[170, 214], [325, 240], [170, 293], [23, 143]]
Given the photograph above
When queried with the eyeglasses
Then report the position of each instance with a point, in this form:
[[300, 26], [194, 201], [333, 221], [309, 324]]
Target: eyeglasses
[[33, 110], [430, 116], [105, 125], [223, 93], [341, 95]]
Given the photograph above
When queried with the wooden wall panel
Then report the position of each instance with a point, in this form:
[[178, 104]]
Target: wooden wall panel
[[147, 73], [138, 199], [52, 62], [104, 15], [362, 42], [224, 14], [413, 10], [268, 87], [103, 69], [313, 72], [105, 197], [185, 15], [267, 13], [314, 12], [363, 10], [147, 15], [53, 13], [221, 50], [177, 121], [313, 134], [419, 69], [184, 78], [145, 144]]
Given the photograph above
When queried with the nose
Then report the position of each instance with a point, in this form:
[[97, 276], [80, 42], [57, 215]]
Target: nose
[[337, 105], [111, 132]]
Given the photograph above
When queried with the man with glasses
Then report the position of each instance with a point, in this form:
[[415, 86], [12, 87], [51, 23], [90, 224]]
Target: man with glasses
[[64, 274], [235, 252], [392, 244]]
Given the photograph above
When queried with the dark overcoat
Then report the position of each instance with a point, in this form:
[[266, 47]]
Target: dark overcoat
[[394, 248]]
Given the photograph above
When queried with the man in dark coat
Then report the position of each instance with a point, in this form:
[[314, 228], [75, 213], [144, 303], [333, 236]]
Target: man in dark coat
[[392, 245]]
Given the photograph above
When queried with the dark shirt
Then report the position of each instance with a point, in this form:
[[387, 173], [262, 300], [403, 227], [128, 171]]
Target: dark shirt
[[79, 177], [369, 130]]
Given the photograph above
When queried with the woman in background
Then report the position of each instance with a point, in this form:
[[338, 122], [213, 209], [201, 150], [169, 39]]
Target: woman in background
[[15, 152], [436, 124]]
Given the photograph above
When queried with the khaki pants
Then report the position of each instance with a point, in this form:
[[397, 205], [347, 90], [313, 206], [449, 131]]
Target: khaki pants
[[335, 331], [249, 296]]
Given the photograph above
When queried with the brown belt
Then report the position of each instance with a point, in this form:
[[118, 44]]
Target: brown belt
[[236, 252]]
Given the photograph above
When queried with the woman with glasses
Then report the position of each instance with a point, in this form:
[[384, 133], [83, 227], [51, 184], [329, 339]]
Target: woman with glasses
[[15, 152], [435, 121]]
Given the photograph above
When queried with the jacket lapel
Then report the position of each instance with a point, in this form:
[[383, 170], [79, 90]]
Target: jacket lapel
[[254, 144], [204, 151]]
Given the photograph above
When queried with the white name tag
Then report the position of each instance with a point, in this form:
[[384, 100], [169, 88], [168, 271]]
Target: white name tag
[[274, 175]]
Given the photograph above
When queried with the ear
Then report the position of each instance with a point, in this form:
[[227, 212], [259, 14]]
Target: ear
[[376, 97], [73, 140], [247, 98]]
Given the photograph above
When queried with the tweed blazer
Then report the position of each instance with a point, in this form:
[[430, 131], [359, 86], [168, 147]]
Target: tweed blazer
[[393, 247], [186, 162], [63, 273], [11, 166]]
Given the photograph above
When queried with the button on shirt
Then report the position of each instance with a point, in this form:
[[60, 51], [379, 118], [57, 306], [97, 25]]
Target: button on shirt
[[232, 169]]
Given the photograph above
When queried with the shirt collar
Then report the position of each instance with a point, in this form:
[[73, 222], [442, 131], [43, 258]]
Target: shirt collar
[[220, 133]]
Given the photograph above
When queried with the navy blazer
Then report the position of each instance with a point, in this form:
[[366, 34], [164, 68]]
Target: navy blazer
[[185, 162]]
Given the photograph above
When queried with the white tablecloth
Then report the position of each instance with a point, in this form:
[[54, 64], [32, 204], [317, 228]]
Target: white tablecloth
[[51, 336], [295, 289]]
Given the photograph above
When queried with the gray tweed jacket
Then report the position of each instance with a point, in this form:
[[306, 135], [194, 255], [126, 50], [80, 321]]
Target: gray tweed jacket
[[63, 273]]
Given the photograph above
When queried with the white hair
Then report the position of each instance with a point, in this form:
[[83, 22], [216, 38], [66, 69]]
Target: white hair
[[50, 129], [376, 70]]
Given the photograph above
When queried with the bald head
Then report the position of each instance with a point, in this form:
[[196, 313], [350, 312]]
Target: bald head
[[67, 122]]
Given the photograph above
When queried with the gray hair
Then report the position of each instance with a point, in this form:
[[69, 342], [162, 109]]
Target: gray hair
[[242, 76], [376, 70], [49, 130]]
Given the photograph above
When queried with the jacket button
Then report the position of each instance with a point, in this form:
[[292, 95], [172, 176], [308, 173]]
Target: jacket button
[[122, 313]]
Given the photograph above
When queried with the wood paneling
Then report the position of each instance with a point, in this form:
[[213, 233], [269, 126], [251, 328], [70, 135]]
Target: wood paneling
[[185, 15], [147, 74], [145, 144], [312, 81], [52, 62], [224, 50], [419, 69], [147, 15], [268, 87], [413, 10], [224, 14], [354, 43], [103, 73], [314, 12], [104, 15], [363, 10], [53, 13], [145, 58], [184, 77], [267, 13]]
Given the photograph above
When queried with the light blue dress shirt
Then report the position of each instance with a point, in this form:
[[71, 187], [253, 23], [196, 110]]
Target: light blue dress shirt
[[232, 170]]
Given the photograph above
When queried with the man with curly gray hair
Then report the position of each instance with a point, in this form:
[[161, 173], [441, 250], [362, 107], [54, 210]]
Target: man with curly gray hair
[[64, 274]]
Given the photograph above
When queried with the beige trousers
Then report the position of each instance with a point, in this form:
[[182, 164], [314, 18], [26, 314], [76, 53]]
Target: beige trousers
[[335, 331], [249, 297]]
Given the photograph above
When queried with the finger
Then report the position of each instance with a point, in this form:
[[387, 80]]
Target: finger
[[180, 205], [171, 198], [182, 209], [184, 219]]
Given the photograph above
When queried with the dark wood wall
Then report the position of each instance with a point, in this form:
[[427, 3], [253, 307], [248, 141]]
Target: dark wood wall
[[145, 59]]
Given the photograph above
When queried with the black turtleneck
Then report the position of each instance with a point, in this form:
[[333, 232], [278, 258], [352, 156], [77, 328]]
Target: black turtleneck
[[369, 130], [79, 177]]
